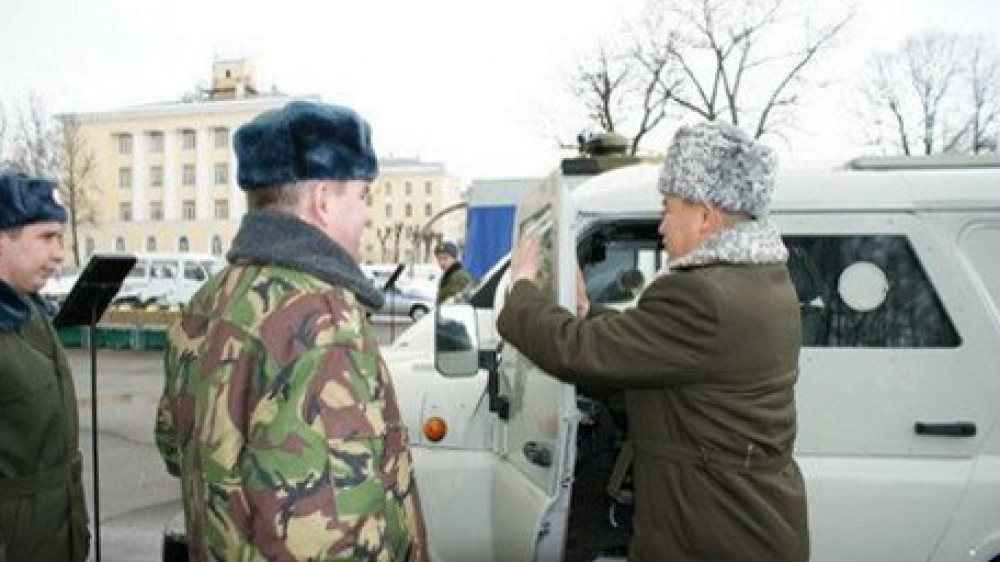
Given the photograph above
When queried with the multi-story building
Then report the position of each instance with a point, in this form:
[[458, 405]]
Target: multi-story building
[[413, 206], [166, 173]]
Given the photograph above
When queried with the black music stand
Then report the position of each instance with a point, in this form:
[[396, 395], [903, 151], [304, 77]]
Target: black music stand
[[93, 291]]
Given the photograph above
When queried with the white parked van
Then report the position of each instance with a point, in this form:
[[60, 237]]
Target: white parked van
[[166, 278], [895, 262]]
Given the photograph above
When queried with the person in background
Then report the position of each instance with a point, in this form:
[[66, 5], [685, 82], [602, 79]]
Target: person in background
[[43, 515], [278, 412], [707, 360], [454, 277]]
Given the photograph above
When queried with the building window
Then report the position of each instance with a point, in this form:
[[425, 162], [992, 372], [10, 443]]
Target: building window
[[388, 189], [368, 200], [408, 210], [427, 188], [125, 178], [150, 243], [124, 143], [88, 246], [428, 209], [221, 174], [409, 188], [156, 141], [156, 176], [188, 140], [221, 137], [119, 244], [187, 174], [222, 209], [125, 211], [182, 244], [187, 210], [388, 211], [156, 211], [216, 245]]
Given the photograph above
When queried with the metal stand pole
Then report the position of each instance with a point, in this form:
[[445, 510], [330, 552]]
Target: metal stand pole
[[93, 430]]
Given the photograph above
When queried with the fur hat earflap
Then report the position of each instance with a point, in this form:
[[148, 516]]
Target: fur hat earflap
[[304, 141], [716, 162]]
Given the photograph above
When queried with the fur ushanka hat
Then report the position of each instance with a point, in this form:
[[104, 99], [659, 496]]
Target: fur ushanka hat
[[304, 141], [715, 162], [25, 200]]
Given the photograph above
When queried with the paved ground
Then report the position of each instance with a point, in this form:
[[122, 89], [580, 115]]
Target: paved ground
[[137, 496]]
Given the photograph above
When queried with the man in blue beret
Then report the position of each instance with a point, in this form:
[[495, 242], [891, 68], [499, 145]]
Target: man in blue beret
[[278, 412], [42, 510]]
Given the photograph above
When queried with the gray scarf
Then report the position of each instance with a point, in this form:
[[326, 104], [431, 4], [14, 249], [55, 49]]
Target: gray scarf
[[280, 238], [752, 242]]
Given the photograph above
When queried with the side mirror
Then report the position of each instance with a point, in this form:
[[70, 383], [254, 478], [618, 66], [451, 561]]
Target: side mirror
[[456, 343]]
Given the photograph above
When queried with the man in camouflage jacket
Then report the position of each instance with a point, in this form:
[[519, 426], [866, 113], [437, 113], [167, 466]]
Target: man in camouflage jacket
[[278, 412]]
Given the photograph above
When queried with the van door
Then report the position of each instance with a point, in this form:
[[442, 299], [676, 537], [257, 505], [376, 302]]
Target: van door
[[533, 479]]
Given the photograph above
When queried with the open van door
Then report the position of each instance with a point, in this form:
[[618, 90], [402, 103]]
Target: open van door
[[532, 483]]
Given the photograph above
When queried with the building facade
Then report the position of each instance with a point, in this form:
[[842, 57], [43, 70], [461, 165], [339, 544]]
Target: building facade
[[166, 173]]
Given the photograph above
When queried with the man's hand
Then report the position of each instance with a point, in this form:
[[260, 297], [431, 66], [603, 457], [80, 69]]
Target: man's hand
[[582, 301], [524, 258]]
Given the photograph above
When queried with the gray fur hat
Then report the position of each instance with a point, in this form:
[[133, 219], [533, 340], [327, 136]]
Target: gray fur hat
[[716, 162]]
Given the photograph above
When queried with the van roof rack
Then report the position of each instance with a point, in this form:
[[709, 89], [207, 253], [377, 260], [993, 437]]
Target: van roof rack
[[925, 162]]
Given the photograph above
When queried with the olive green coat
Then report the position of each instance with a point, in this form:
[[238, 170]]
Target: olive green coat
[[453, 281], [43, 514], [708, 361]]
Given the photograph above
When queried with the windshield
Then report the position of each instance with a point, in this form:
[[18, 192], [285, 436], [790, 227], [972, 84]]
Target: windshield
[[536, 215]]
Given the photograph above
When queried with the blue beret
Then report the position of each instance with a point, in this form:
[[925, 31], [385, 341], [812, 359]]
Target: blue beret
[[26, 200], [304, 141]]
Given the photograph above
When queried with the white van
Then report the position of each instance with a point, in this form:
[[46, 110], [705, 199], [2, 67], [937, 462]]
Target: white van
[[158, 278], [896, 266]]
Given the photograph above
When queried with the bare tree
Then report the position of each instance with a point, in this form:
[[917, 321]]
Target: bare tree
[[937, 93], [77, 189], [35, 141], [715, 59], [383, 239], [3, 136]]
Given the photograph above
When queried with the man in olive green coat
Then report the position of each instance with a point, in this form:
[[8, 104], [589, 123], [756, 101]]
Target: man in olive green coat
[[707, 360], [278, 412], [454, 277], [43, 516]]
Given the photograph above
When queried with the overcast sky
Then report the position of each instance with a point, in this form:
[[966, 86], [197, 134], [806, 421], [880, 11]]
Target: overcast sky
[[478, 85]]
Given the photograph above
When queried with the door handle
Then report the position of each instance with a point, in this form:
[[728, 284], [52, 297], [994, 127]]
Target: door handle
[[953, 429], [538, 453]]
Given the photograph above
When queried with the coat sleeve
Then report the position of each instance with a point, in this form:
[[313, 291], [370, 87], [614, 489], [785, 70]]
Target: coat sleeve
[[164, 432], [663, 341]]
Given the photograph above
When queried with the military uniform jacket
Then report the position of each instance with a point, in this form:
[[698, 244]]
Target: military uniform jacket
[[708, 360], [43, 514], [455, 280], [281, 417]]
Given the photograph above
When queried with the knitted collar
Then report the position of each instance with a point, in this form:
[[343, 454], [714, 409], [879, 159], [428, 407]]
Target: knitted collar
[[276, 237], [747, 243]]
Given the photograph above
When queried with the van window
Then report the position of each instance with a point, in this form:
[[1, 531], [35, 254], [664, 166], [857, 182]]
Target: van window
[[194, 271], [907, 313], [139, 271], [980, 243]]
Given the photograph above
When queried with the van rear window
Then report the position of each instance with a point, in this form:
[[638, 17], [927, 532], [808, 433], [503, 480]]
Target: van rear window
[[866, 291]]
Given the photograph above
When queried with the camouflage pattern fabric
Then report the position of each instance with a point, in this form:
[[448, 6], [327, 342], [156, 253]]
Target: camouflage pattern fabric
[[283, 421]]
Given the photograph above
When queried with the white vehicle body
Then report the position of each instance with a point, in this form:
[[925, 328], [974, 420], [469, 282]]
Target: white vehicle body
[[897, 397], [167, 278]]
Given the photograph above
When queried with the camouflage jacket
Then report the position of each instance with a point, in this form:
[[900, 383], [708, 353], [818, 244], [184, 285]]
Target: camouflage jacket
[[281, 417]]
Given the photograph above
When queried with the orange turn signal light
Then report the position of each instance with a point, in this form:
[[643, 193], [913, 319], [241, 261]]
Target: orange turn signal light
[[435, 429]]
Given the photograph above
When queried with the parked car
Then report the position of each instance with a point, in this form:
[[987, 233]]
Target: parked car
[[410, 301]]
